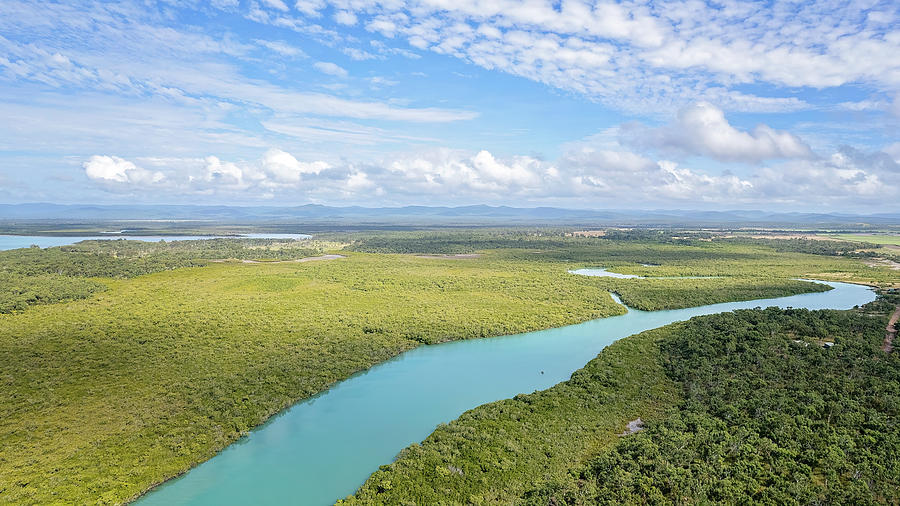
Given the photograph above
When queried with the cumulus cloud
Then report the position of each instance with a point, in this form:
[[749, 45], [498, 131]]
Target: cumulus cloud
[[276, 4], [845, 176], [616, 172], [702, 129], [112, 169], [310, 7], [445, 170], [282, 167], [345, 18], [594, 173], [226, 174]]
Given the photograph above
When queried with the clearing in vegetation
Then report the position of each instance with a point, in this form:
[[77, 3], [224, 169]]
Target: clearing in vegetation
[[870, 238]]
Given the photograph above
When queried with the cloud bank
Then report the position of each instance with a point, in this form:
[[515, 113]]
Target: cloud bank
[[585, 175], [701, 129]]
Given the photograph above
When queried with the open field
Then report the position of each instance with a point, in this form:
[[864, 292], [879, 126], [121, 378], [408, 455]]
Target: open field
[[890, 239], [166, 356]]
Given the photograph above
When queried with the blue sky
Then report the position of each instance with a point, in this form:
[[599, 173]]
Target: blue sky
[[766, 105]]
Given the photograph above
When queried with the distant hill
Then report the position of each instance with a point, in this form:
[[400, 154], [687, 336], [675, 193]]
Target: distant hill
[[425, 215]]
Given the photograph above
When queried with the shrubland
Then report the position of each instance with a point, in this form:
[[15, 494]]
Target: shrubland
[[104, 397]]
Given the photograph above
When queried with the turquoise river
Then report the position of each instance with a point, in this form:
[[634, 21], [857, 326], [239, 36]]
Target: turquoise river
[[324, 448]]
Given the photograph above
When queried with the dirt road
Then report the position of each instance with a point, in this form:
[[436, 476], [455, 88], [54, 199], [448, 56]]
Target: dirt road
[[891, 332]]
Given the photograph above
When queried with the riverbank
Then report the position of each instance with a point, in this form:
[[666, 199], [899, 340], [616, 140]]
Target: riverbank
[[724, 402], [321, 450]]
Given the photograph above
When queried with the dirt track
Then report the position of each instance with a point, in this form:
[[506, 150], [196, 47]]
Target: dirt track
[[301, 260], [891, 332]]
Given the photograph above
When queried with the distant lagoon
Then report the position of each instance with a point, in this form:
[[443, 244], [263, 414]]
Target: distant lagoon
[[8, 242], [606, 274]]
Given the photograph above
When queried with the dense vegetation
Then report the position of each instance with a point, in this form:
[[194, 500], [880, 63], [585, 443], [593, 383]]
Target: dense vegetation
[[765, 418], [167, 352], [739, 407], [106, 396], [661, 293], [469, 241], [645, 253], [34, 276], [801, 245], [17, 292], [123, 258]]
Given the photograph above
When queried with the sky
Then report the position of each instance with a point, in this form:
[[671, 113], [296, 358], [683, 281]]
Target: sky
[[776, 105]]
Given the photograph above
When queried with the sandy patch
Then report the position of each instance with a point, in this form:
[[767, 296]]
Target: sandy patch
[[811, 237], [589, 233], [322, 257], [635, 425], [307, 259], [883, 262], [891, 332]]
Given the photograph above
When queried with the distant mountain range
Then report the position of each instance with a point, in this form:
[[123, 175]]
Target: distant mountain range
[[424, 215]]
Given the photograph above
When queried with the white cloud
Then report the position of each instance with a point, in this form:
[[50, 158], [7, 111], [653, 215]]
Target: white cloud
[[443, 170], [358, 54], [628, 175], [112, 169], [331, 69], [177, 65], [345, 18], [310, 7], [359, 181], [224, 173], [702, 129], [378, 82], [282, 48], [284, 168], [649, 57], [894, 151], [276, 4], [589, 174]]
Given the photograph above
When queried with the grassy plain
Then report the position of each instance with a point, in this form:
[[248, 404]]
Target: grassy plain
[[870, 238], [105, 396]]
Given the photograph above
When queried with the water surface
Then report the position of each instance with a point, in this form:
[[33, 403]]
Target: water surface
[[8, 242], [603, 273], [324, 448]]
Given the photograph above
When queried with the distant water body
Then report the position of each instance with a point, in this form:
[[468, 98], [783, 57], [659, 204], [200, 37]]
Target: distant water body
[[8, 242], [603, 273], [324, 448]]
